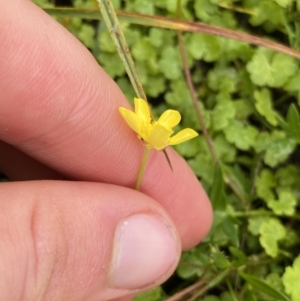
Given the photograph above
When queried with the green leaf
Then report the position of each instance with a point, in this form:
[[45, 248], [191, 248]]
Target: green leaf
[[205, 9], [43, 3], [126, 88], [192, 262], [220, 260], [277, 146], [155, 85], [264, 287], [243, 109], [154, 294], [143, 50], [218, 279], [111, 64], [156, 37], [287, 176], [223, 79], [86, 35], [170, 63], [285, 205], [264, 105], [292, 117], [141, 70], [217, 233], [140, 6], [210, 298], [292, 238], [226, 152], [228, 296], [291, 280], [254, 224], [267, 68], [116, 4], [264, 184], [283, 67], [153, 68], [171, 5], [230, 229], [250, 296], [275, 281], [189, 149], [106, 44], [84, 4], [233, 50], [203, 167], [179, 93], [217, 194], [241, 257], [279, 150], [222, 113], [271, 231], [238, 179], [242, 136], [190, 118], [161, 37], [237, 253], [268, 12], [160, 3], [284, 3], [204, 47], [293, 83], [293, 122], [132, 35]]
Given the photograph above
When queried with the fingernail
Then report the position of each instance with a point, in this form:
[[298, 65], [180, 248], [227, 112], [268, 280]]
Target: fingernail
[[145, 249]]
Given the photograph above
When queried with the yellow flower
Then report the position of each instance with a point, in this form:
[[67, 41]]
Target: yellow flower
[[155, 134]]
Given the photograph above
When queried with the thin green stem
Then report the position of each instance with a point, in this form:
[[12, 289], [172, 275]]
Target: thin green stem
[[192, 91], [170, 23], [238, 9], [251, 213], [142, 168], [188, 290], [111, 21], [231, 291], [199, 293], [255, 213]]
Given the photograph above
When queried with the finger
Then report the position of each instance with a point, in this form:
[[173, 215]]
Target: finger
[[59, 107], [17, 166], [82, 241]]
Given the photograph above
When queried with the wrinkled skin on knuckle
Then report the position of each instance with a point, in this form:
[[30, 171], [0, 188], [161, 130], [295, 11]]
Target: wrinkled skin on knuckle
[[32, 248]]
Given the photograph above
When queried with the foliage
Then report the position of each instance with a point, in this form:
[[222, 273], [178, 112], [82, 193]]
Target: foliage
[[249, 97]]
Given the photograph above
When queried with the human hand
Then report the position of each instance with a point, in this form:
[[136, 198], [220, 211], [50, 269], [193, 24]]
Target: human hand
[[82, 233]]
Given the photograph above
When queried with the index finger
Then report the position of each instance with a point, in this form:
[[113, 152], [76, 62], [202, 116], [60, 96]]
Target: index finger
[[58, 106]]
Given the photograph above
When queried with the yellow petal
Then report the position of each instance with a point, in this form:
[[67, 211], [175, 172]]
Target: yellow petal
[[159, 137], [146, 129], [142, 109], [131, 119], [183, 136], [169, 119]]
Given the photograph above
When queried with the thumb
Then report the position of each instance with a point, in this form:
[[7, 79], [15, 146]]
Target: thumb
[[81, 241]]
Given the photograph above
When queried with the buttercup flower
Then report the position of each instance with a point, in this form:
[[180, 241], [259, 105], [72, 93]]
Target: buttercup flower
[[155, 134]]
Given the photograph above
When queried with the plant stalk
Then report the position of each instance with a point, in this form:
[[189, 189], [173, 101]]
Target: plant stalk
[[142, 168]]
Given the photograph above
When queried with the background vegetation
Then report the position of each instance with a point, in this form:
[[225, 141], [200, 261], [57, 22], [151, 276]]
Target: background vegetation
[[248, 160]]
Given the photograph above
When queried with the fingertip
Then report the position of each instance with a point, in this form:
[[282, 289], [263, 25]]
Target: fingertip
[[83, 241]]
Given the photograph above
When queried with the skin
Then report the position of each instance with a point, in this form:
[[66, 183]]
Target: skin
[[73, 163]]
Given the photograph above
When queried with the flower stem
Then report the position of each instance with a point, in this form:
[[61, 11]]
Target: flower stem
[[142, 168]]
